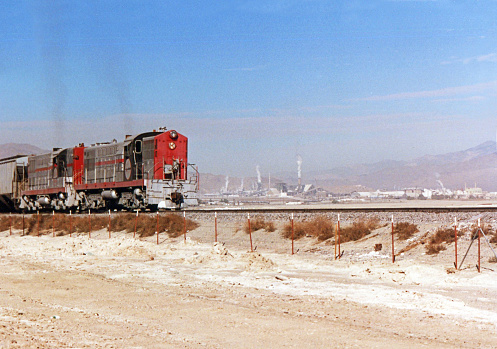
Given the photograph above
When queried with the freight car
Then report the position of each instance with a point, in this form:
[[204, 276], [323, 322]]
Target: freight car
[[13, 175], [145, 171]]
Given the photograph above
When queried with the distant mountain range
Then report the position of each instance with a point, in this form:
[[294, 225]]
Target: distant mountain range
[[12, 149], [470, 167]]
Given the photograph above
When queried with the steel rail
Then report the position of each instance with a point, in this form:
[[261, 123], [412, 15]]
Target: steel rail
[[446, 209], [245, 210]]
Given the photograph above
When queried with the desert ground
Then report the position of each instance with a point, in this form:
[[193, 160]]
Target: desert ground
[[125, 292]]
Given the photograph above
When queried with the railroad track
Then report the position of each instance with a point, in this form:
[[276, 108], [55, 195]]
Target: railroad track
[[297, 210], [438, 209]]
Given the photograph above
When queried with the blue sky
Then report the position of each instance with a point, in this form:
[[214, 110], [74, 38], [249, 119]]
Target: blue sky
[[253, 82]]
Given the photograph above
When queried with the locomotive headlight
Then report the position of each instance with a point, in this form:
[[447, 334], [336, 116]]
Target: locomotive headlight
[[172, 146], [173, 134]]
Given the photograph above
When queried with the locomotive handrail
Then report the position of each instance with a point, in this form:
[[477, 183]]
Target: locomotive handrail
[[197, 176], [154, 169]]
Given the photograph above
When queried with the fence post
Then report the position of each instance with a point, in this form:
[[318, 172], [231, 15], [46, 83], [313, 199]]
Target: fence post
[[250, 232], [136, 223], [10, 224], [393, 248], [184, 228], [89, 223], [23, 223], [70, 223], [109, 224], [215, 226], [339, 250], [157, 227], [455, 240], [293, 234], [37, 223], [336, 239], [479, 235], [53, 223]]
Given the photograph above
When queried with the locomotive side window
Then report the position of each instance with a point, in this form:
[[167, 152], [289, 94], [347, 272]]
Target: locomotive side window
[[138, 147]]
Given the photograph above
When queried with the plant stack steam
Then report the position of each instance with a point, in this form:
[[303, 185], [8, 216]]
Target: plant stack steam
[[299, 172], [259, 181]]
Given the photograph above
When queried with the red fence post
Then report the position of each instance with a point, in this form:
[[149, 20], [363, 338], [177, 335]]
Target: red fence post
[[336, 239], [215, 226], [89, 223], [23, 223], [157, 227], [455, 240], [37, 223], [109, 225], [53, 223], [184, 228], [250, 232], [339, 251], [10, 224], [293, 233], [393, 248], [136, 223], [479, 235], [70, 223]]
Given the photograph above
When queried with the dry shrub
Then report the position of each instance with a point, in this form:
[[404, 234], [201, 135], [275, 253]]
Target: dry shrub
[[405, 230], [320, 227], [434, 248], [146, 225], [492, 259], [259, 223], [4, 222], [16, 221], [63, 223], [442, 235], [493, 238], [299, 230], [358, 230], [487, 230], [172, 224]]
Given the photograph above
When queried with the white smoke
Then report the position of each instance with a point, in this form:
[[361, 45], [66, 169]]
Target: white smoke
[[299, 166], [226, 183], [241, 185], [258, 174], [440, 182], [442, 185]]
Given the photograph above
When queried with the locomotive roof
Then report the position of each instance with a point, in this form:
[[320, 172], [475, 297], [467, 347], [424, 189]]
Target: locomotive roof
[[127, 140], [12, 158]]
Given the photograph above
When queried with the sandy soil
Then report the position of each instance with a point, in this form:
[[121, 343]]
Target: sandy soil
[[76, 292]]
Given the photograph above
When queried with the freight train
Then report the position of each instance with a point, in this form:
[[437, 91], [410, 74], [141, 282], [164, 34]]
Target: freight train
[[145, 171]]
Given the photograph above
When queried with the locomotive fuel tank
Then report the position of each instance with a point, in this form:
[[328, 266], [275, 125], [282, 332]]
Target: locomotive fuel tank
[[110, 195]]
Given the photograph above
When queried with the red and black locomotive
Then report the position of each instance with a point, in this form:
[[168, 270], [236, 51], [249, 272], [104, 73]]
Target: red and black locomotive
[[145, 171]]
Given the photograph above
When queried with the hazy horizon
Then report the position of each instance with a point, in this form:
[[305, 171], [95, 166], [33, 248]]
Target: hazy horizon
[[253, 82]]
